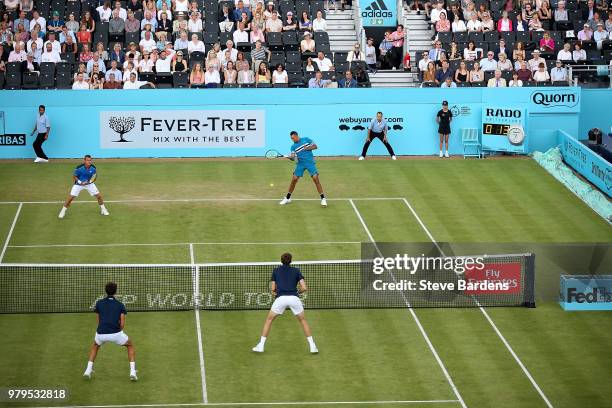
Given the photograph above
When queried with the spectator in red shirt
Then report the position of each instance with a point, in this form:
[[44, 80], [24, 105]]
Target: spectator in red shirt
[[84, 36], [443, 25], [547, 44], [504, 23], [112, 83], [524, 74], [407, 66], [86, 53]]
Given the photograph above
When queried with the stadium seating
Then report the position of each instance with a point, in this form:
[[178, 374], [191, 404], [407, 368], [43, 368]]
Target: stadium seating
[[287, 42], [164, 80], [180, 79], [285, 46], [46, 80], [13, 75], [147, 77], [29, 80]]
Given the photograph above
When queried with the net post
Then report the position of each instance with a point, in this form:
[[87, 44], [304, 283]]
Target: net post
[[529, 281]]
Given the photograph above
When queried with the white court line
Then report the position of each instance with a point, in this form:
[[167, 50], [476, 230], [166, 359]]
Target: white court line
[[175, 265], [415, 317], [185, 244], [10, 233], [225, 404], [198, 326], [196, 200], [486, 315]]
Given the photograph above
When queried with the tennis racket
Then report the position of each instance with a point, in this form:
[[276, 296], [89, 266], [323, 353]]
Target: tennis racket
[[275, 154], [91, 180]]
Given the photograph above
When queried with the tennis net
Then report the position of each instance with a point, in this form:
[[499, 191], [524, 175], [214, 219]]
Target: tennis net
[[40, 288]]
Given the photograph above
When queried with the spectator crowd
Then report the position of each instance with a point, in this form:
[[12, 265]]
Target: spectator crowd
[[98, 44], [95, 44], [502, 43]]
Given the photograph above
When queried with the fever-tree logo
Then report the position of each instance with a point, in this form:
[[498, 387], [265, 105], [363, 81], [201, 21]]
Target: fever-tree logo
[[122, 125]]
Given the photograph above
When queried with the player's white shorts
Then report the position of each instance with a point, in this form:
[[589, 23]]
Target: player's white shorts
[[119, 338], [91, 188], [283, 302]]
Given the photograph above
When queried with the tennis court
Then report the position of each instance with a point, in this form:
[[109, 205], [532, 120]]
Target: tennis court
[[227, 211]]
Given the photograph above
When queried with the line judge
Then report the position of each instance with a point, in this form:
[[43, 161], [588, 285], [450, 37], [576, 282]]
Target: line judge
[[378, 129], [42, 129]]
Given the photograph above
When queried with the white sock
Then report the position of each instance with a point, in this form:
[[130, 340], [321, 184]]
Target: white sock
[[310, 341], [132, 366], [440, 151], [262, 340], [89, 366], [64, 209]]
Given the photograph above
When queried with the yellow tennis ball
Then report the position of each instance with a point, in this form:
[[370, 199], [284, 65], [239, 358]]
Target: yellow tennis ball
[[271, 184]]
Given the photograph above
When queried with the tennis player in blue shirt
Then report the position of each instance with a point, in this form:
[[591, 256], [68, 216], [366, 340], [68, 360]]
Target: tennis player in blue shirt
[[302, 151], [84, 176], [286, 283], [111, 321]]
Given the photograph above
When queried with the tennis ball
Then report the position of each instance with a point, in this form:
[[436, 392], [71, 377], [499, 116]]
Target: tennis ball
[[271, 184]]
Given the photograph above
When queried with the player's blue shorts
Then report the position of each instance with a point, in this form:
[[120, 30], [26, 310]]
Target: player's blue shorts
[[301, 166]]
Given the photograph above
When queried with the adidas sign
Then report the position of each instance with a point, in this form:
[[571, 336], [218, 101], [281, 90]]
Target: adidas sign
[[378, 9]]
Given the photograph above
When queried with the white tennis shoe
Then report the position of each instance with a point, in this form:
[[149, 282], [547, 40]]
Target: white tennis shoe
[[446, 154], [361, 158], [133, 376], [104, 212], [285, 201], [258, 348], [87, 374], [323, 202], [314, 349], [62, 213], [393, 157]]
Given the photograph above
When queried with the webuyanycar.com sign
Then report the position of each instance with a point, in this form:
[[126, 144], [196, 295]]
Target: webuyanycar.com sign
[[182, 129]]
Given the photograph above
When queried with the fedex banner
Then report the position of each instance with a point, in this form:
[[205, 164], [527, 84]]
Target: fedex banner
[[182, 129], [508, 274], [378, 13], [585, 292]]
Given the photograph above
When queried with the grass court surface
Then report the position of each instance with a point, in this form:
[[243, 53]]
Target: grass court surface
[[184, 211]]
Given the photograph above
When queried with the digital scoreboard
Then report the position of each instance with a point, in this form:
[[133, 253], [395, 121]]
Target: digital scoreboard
[[503, 129], [495, 129]]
